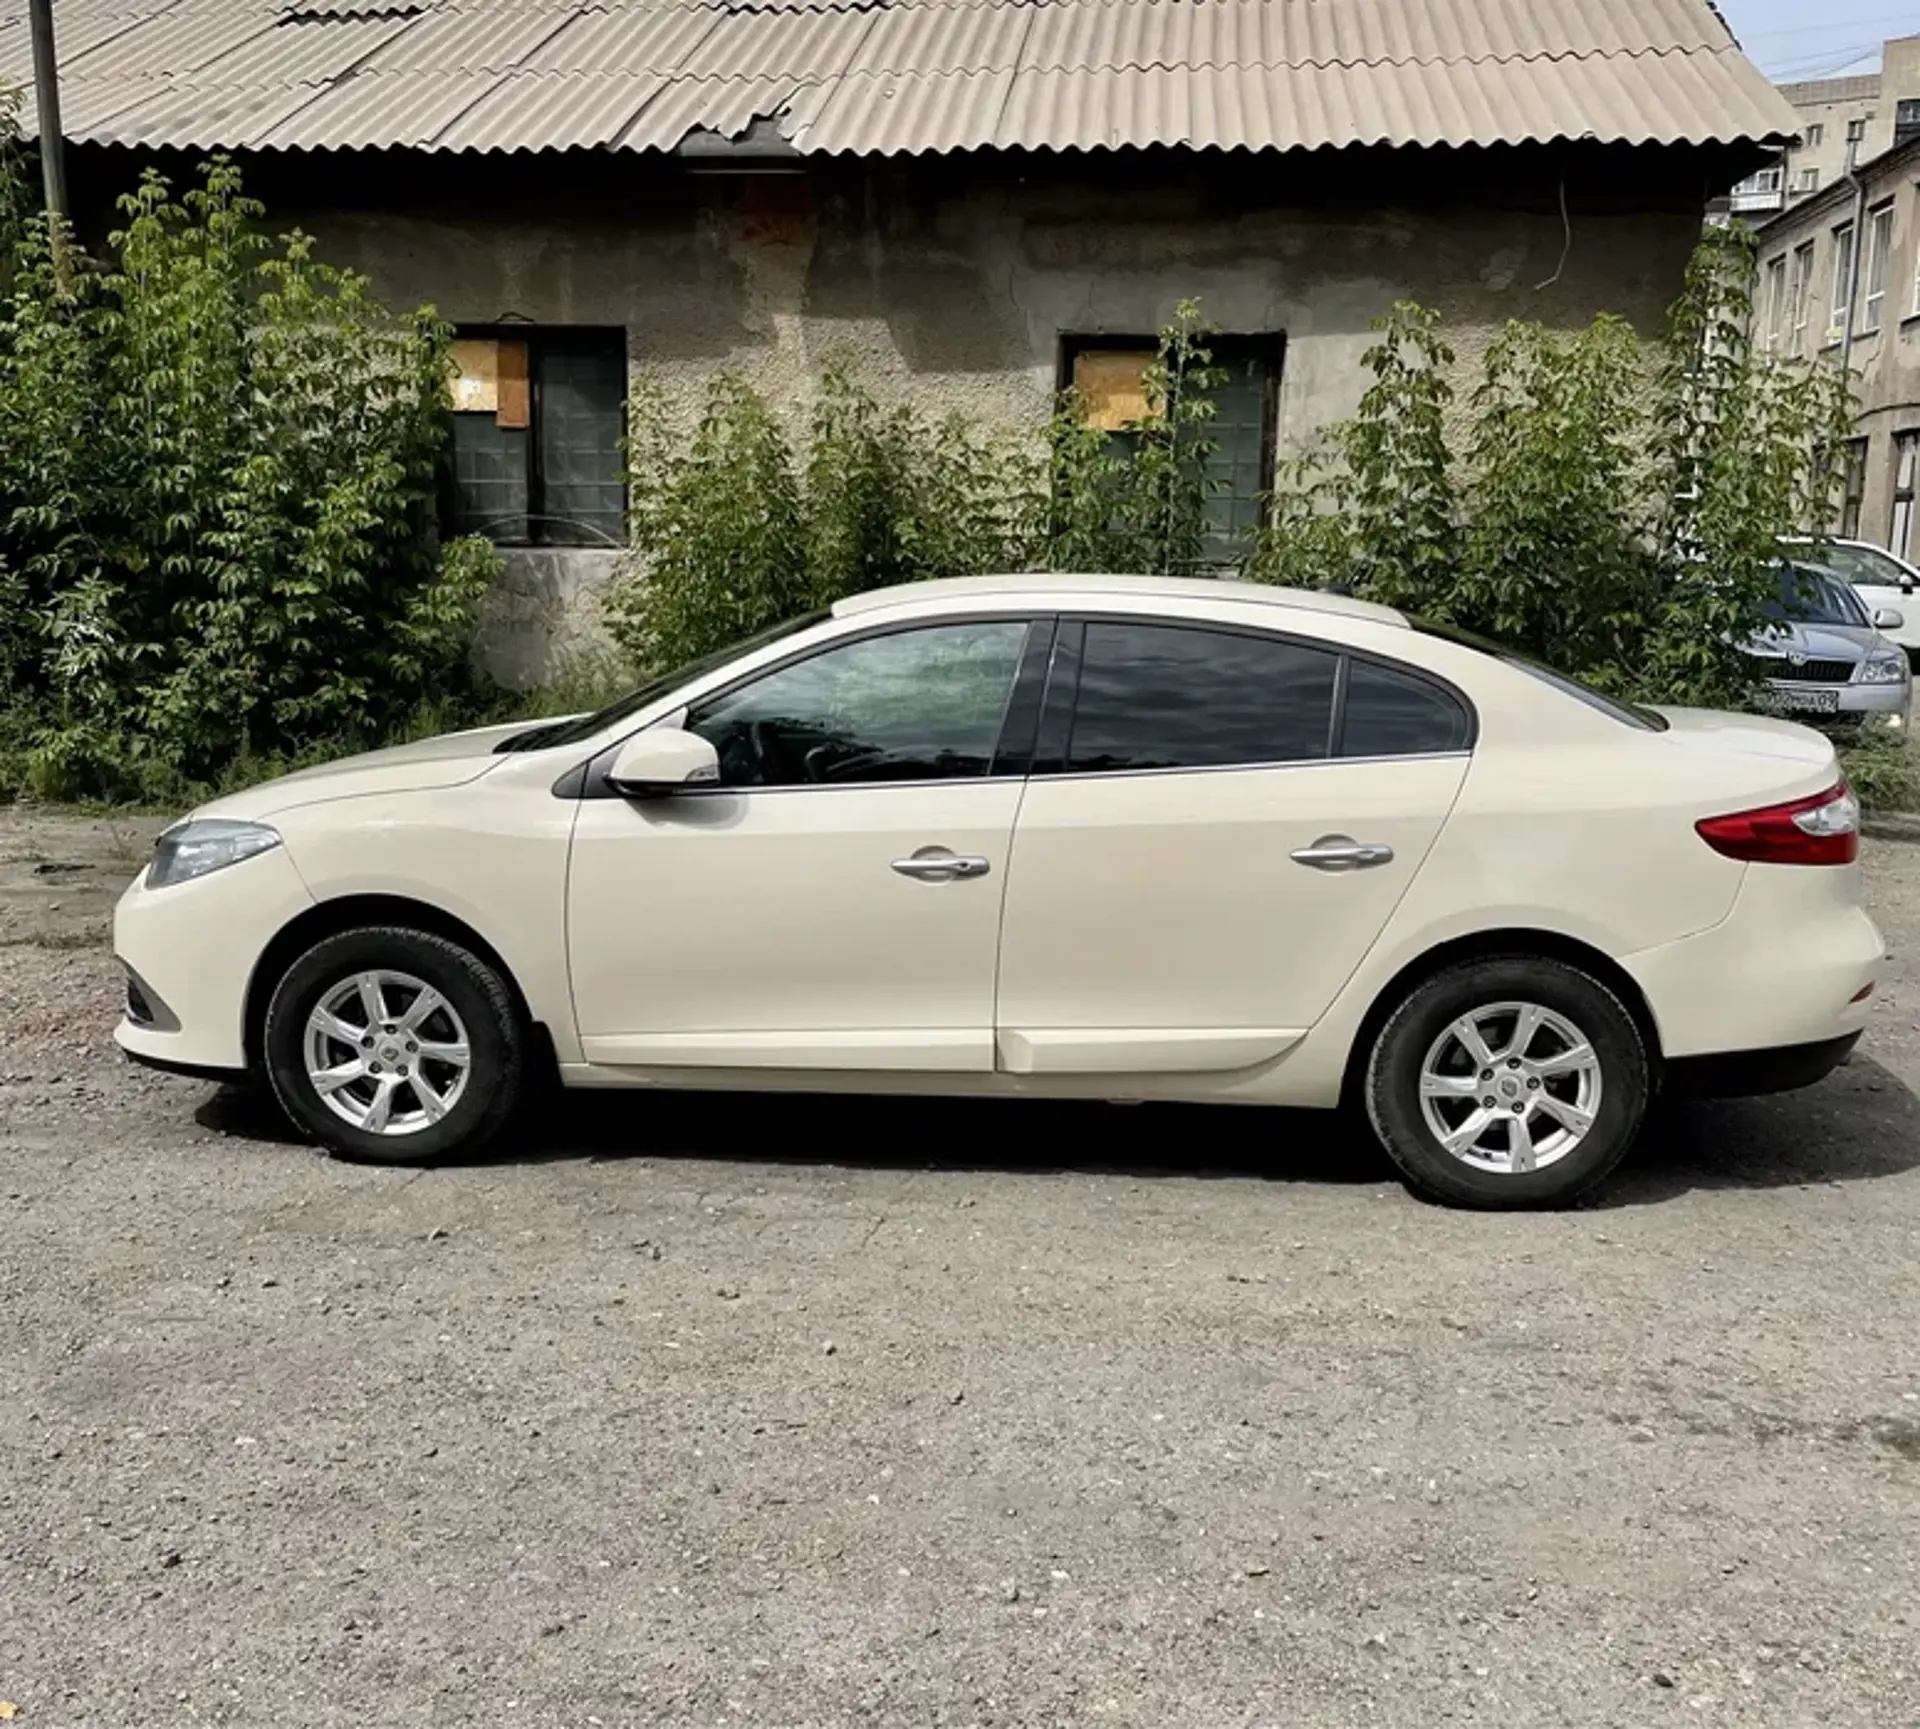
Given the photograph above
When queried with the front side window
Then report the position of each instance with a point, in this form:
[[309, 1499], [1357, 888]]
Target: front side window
[[910, 705], [538, 420], [1155, 696]]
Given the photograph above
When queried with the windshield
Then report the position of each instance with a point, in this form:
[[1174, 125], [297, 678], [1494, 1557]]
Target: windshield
[[1866, 564], [1805, 595], [1627, 713], [575, 731]]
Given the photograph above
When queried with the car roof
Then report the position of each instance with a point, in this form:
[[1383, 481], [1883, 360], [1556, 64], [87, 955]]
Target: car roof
[[1040, 585]]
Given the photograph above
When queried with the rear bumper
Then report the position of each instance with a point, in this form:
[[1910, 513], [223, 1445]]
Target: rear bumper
[[1792, 965], [1744, 1074]]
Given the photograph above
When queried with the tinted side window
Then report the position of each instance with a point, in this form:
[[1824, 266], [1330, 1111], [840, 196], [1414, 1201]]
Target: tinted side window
[[1391, 713], [911, 705], [1160, 696]]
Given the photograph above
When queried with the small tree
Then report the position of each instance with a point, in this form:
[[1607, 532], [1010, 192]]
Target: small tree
[[218, 467], [1613, 509], [717, 528]]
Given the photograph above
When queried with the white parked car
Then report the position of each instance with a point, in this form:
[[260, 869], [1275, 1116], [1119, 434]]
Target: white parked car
[[1040, 836]]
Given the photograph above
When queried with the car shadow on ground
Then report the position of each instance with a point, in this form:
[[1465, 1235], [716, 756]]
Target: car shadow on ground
[[1861, 1124]]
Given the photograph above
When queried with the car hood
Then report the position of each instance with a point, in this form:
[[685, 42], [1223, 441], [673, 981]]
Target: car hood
[[1818, 641], [449, 759]]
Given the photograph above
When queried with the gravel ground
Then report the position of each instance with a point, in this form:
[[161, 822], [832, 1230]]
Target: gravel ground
[[703, 1411]]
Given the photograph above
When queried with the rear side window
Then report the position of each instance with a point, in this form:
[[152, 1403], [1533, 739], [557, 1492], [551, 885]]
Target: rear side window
[[1626, 713], [1390, 713], [1164, 696]]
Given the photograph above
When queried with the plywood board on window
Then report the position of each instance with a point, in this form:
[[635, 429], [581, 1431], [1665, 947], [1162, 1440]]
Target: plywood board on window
[[1110, 385], [515, 407], [488, 376], [473, 376]]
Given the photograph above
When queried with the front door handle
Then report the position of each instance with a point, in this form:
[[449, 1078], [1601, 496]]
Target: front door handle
[[937, 865], [1335, 852]]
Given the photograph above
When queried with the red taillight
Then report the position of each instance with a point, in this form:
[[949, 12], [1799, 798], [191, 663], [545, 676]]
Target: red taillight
[[1822, 830]]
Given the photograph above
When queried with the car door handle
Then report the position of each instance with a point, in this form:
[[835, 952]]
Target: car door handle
[[942, 867], [1334, 852]]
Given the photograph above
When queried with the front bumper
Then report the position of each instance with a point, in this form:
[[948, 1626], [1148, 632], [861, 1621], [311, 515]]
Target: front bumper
[[191, 950]]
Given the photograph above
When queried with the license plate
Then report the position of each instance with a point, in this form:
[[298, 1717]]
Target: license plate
[[1805, 701]]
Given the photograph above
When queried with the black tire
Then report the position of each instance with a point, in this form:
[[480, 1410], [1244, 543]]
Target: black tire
[[1393, 1093], [495, 1030]]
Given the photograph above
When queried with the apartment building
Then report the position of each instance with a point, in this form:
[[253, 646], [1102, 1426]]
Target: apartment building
[[1840, 277], [1868, 114]]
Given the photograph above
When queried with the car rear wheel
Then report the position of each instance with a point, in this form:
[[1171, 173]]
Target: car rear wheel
[[394, 1046], [1512, 1081]]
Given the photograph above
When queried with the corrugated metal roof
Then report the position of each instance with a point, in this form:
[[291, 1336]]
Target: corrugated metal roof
[[896, 76]]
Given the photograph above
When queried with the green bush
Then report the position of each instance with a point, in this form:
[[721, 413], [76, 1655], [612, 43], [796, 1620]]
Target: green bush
[[1611, 507], [219, 463], [731, 534]]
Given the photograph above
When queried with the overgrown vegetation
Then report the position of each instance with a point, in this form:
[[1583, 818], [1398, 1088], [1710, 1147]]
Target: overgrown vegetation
[[1613, 508], [219, 463], [733, 530]]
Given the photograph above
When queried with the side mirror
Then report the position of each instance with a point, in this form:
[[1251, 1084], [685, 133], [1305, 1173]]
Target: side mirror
[[1886, 618], [664, 760]]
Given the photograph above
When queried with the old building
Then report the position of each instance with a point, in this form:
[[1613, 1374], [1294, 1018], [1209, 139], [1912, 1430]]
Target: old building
[[973, 199], [1840, 276]]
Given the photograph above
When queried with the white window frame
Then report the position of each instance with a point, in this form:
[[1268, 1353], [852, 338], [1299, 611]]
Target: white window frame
[[1814, 135], [1906, 470], [1773, 303], [1840, 292], [1873, 271], [1800, 292]]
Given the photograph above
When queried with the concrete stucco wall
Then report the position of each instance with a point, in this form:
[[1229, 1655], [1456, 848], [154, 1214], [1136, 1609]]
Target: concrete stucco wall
[[954, 285]]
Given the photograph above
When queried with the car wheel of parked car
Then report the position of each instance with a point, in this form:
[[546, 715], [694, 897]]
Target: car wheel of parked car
[[394, 1046], [1513, 1081]]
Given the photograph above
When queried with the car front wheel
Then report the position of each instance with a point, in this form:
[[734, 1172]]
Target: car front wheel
[[394, 1046], [1512, 1081]]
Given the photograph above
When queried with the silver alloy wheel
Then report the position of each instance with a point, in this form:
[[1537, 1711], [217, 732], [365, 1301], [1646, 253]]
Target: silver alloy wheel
[[386, 1053], [1510, 1088]]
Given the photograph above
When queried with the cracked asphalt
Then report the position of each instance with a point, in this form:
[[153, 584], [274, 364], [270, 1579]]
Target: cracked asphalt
[[704, 1411]]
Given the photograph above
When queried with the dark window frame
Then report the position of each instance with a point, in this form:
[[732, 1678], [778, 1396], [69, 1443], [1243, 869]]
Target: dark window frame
[[1224, 349], [1062, 697], [540, 338], [1853, 496]]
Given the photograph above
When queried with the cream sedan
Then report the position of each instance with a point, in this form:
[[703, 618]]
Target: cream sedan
[[1045, 836]]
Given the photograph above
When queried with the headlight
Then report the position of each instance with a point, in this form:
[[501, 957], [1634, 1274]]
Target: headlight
[[191, 849], [1884, 668]]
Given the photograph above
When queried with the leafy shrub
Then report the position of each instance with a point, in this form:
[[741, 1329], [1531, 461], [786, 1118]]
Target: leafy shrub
[[1612, 508], [218, 469], [718, 525]]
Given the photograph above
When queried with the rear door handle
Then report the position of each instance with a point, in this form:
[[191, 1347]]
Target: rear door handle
[[1335, 852], [932, 865]]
